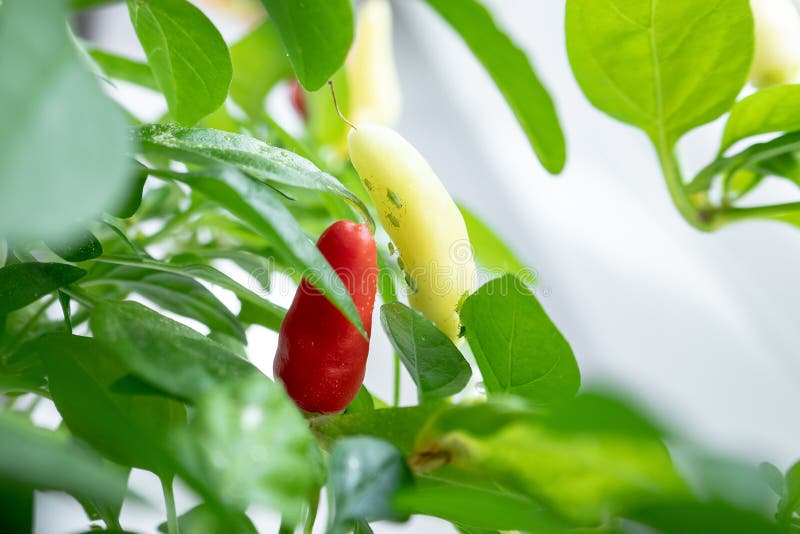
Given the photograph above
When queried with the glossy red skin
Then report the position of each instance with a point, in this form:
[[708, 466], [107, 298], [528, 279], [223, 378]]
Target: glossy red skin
[[298, 99], [322, 357]]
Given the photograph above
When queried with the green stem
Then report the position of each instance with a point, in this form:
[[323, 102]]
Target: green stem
[[677, 189], [730, 215], [169, 501], [311, 517], [396, 397]]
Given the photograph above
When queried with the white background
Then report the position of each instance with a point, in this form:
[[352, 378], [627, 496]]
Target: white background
[[701, 329]]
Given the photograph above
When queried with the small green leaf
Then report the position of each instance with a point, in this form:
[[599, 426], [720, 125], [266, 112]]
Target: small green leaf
[[511, 70], [131, 199], [518, 348], [365, 473], [203, 520], [189, 57], [46, 460], [776, 109], [317, 35], [78, 246], [123, 68], [692, 60], [249, 444], [249, 155], [180, 294], [362, 402], [164, 353], [478, 508], [434, 362], [257, 205], [63, 144], [790, 504], [773, 477], [24, 283], [690, 517], [128, 429], [259, 62]]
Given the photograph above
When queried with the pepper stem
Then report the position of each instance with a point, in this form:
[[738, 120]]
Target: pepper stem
[[339, 111]]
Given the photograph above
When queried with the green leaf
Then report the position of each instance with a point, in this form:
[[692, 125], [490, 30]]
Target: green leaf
[[363, 402], [129, 429], [398, 426], [776, 109], [123, 68], [187, 54], [434, 362], [518, 348], [773, 477], [257, 205], [701, 518], [16, 507], [513, 74], [203, 520], [180, 294], [691, 59], [83, 4], [491, 252], [24, 283], [46, 460], [478, 508], [81, 245], [249, 444], [364, 475], [132, 198], [164, 353], [259, 62], [249, 155], [64, 157], [317, 35], [790, 504]]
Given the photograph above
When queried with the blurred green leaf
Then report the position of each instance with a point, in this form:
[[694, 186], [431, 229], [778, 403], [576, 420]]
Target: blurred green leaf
[[774, 478], [109, 508], [518, 348], [775, 109], [257, 205], [259, 62], [82, 4], [16, 507], [491, 252], [128, 429], [203, 520], [24, 283], [164, 353], [434, 362], [684, 79], [62, 143], [132, 198], [702, 518], [80, 245], [365, 473], [249, 155], [180, 294], [268, 314], [187, 54], [123, 68], [316, 34], [249, 444], [790, 504], [514, 76], [362, 402], [478, 508]]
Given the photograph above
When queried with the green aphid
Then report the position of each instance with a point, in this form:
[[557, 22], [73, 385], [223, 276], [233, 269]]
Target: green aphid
[[393, 198]]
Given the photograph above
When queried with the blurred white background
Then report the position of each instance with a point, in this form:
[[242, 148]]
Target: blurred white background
[[701, 329]]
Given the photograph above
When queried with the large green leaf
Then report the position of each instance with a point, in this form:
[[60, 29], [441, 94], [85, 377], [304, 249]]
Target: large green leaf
[[179, 293], [518, 348], [24, 283], [259, 206], [259, 62], [189, 57], [434, 362], [249, 444], [317, 35], [365, 473], [776, 109], [203, 520], [268, 314], [127, 428], [249, 155], [62, 142], [665, 67], [164, 353], [46, 460], [511, 70]]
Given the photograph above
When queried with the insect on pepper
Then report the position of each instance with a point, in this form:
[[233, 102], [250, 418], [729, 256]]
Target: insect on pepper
[[321, 356]]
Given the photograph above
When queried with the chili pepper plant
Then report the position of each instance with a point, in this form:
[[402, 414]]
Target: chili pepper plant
[[137, 257]]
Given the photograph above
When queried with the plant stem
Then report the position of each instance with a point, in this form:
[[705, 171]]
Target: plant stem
[[677, 189], [396, 397], [758, 212], [169, 501]]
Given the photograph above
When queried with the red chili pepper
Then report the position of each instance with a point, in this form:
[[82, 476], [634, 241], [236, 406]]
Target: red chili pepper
[[321, 356], [298, 99]]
